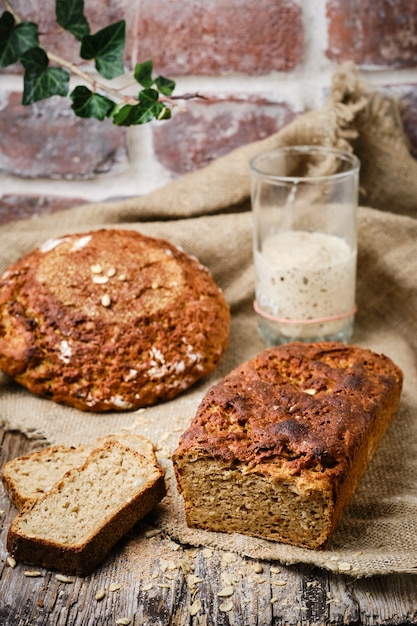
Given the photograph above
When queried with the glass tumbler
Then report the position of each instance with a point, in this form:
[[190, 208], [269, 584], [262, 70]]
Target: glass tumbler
[[304, 207]]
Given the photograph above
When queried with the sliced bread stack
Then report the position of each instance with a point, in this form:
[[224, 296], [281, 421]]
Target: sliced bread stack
[[77, 503]]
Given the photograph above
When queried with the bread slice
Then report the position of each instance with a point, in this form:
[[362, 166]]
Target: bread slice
[[72, 527], [25, 478], [278, 447]]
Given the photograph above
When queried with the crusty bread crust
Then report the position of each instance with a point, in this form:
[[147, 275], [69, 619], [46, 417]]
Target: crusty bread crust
[[55, 531], [110, 320], [27, 477], [278, 447]]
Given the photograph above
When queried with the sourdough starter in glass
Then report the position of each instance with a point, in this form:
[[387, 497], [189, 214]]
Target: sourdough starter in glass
[[305, 276]]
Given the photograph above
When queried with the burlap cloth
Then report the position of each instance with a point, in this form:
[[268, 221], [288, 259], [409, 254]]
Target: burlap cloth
[[208, 214]]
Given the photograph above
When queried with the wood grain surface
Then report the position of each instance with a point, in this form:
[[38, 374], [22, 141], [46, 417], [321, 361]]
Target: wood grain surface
[[148, 580]]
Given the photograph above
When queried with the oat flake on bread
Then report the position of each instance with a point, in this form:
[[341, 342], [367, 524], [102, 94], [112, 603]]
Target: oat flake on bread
[[110, 320]]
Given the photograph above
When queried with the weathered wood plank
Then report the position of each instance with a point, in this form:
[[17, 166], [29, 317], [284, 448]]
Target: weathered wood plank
[[153, 581]]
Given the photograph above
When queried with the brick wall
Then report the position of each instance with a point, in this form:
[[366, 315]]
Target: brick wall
[[258, 64]]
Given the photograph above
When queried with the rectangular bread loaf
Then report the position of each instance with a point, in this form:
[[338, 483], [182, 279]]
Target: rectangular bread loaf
[[73, 526], [278, 447], [25, 478]]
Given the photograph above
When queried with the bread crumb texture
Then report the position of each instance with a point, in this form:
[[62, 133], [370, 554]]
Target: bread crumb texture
[[278, 447], [152, 314], [74, 525]]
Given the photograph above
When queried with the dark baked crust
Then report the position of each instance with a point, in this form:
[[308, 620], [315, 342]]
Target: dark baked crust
[[165, 323], [306, 415]]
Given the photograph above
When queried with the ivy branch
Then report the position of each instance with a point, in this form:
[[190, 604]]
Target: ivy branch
[[19, 42]]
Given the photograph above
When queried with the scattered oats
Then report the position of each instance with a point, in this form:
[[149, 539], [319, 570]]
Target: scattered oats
[[279, 583], [152, 533], [63, 579], [123, 621], [193, 580], [328, 594], [111, 272], [228, 578], [229, 557], [147, 587], [258, 579], [334, 558], [275, 570], [259, 568], [164, 585], [100, 280], [185, 566], [172, 565], [32, 573], [115, 586], [226, 606], [359, 552], [122, 277], [303, 608], [311, 392], [344, 566], [100, 594], [2, 511], [106, 300], [273, 600], [11, 561], [195, 607], [174, 546], [155, 575], [207, 553], [226, 592], [96, 269], [163, 565]]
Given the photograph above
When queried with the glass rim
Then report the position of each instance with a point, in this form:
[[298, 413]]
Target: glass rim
[[267, 155]]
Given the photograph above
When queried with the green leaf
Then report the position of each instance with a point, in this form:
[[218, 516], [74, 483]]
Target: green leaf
[[143, 73], [41, 81], [146, 110], [85, 103], [70, 15], [106, 48], [15, 39], [165, 85]]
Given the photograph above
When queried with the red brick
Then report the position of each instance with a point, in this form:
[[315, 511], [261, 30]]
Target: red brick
[[381, 32], [209, 37], [193, 138], [13, 207], [46, 139]]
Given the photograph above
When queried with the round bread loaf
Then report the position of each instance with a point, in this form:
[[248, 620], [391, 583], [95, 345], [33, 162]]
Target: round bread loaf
[[110, 320]]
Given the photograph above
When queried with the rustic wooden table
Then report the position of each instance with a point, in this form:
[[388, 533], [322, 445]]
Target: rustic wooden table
[[149, 580]]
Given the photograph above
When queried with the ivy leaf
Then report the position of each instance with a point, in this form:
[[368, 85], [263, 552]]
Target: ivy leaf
[[143, 74], [146, 110], [70, 15], [85, 103], [106, 48], [15, 39], [165, 85], [41, 81]]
